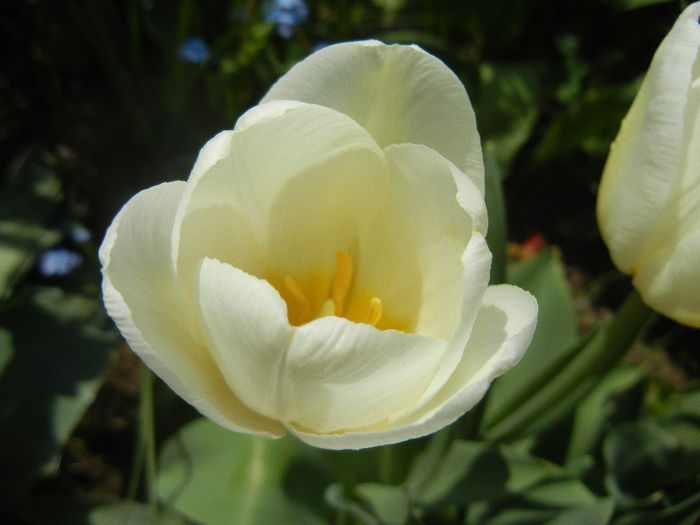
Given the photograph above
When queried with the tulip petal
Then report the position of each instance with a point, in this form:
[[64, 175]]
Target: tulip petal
[[502, 332], [245, 324], [139, 296], [668, 275], [341, 375], [411, 256], [242, 203], [646, 154], [398, 93]]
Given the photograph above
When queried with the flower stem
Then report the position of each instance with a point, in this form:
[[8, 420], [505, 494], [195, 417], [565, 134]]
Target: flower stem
[[145, 456]]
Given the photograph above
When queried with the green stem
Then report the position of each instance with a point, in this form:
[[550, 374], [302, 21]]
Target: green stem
[[145, 456], [590, 364]]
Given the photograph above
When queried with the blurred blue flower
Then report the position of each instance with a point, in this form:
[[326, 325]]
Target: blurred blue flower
[[194, 50], [79, 234], [58, 262], [286, 14]]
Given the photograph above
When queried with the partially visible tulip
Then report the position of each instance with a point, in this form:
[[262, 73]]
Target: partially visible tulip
[[649, 197], [324, 269]]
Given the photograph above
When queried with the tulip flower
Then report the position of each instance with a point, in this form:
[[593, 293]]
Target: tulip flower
[[323, 270], [649, 197]]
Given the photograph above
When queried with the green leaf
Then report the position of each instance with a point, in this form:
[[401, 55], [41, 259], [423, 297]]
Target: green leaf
[[390, 504], [598, 513], [555, 332], [686, 512], [478, 471], [506, 107], [595, 411], [216, 476], [27, 202], [60, 343], [62, 510], [336, 498], [642, 458]]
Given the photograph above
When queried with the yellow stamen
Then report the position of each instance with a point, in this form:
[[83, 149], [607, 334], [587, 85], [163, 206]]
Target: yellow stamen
[[298, 295], [341, 281], [374, 313]]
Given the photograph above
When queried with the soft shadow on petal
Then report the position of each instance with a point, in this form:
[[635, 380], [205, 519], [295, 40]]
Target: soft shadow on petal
[[139, 296], [398, 93], [236, 183], [669, 280], [244, 320], [645, 158], [500, 336], [341, 375]]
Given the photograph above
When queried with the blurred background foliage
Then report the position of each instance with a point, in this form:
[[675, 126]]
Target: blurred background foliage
[[101, 99]]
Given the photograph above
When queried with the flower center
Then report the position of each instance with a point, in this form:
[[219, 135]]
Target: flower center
[[314, 296]]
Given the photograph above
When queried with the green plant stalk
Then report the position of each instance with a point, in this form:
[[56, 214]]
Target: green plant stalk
[[145, 456], [571, 383]]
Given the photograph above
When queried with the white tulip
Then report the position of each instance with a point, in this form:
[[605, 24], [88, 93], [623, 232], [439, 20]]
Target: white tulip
[[649, 197], [323, 270]]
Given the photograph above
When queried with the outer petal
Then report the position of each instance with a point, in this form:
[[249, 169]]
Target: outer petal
[[398, 93], [502, 332], [138, 294], [245, 324], [668, 274], [340, 375], [645, 158]]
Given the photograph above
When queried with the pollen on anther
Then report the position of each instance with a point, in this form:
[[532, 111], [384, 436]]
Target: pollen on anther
[[374, 313], [302, 303]]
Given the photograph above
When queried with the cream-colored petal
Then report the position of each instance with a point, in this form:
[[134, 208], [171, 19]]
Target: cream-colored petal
[[501, 334], [341, 375], [138, 294], [667, 272], [669, 280], [242, 206], [645, 158], [244, 321], [410, 254], [398, 93]]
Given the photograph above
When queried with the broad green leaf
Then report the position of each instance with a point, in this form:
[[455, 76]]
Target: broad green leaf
[[506, 107], [598, 513], [478, 471], [62, 510], [552, 501], [336, 498], [61, 343], [596, 410], [216, 476], [642, 458], [27, 202], [686, 512], [390, 504], [554, 335]]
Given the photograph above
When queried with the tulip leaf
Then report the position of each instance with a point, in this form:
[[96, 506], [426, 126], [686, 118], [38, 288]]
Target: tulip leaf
[[61, 510], [60, 344], [390, 504], [27, 202], [596, 410], [335, 497], [686, 512], [476, 471], [556, 331], [642, 458], [215, 476]]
